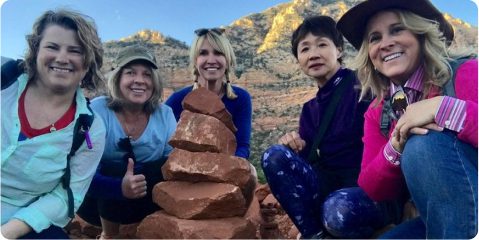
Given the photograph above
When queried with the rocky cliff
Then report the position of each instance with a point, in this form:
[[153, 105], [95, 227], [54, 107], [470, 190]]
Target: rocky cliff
[[266, 67]]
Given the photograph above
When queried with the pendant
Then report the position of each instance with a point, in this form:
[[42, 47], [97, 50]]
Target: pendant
[[52, 128]]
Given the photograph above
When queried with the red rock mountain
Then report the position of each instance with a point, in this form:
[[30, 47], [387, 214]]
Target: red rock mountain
[[266, 67]]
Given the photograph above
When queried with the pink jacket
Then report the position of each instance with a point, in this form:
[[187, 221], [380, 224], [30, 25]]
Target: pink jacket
[[382, 180]]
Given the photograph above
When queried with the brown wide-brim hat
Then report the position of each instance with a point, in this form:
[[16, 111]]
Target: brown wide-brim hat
[[354, 22]]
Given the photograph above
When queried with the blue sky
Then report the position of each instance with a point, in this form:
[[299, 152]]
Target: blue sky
[[177, 18]]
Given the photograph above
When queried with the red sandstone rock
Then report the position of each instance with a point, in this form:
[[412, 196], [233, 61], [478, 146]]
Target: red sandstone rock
[[202, 133], [253, 214], [78, 226], [80, 229], [203, 200], [293, 232], [160, 225], [262, 191], [206, 102], [270, 200], [286, 226], [188, 166], [128, 231]]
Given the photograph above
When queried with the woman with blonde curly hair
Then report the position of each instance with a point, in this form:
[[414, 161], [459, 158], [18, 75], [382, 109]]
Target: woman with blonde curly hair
[[420, 133]]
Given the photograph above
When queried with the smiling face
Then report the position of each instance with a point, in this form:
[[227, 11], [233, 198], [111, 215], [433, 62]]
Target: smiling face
[[60, 60], [136, 83], [210, 63], [318, 57], [393, 49]]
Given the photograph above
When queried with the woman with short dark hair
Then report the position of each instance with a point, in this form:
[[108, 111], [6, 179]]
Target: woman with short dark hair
[[315, 180]]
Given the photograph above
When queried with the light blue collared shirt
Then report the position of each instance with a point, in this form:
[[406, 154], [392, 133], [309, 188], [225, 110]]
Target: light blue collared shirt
[[32, 169]]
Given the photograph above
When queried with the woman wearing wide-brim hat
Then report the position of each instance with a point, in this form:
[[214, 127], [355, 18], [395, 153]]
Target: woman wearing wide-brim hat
[[420, 134]]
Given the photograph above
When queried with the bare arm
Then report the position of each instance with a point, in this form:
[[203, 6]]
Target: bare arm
[[15, 228]]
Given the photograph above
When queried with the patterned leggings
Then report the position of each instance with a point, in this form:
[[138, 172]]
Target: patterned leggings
[[318, 200]]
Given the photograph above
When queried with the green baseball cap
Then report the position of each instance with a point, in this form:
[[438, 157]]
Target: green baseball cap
[[135, 52]]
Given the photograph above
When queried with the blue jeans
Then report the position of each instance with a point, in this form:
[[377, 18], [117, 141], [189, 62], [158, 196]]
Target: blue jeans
[[441, 175], [309, 197]]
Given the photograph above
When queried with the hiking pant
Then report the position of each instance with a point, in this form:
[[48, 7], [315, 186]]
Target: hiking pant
[[123, 211], [53, 232], [316, 199]]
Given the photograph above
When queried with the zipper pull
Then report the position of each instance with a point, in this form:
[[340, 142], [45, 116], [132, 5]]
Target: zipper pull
[[87, 137]]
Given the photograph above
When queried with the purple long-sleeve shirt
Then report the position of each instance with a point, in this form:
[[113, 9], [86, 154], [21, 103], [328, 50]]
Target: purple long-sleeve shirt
[[341, 146]]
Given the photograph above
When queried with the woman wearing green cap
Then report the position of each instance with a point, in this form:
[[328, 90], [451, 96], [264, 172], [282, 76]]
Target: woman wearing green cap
[[420, 134], [138, 129]]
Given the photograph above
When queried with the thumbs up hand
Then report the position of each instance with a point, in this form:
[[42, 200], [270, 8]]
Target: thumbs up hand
[[133, 186]]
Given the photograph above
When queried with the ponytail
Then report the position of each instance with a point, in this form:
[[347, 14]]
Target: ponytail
[[229, 89]]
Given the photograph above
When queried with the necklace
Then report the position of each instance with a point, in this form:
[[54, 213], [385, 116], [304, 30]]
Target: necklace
[[129, 132], [52, 128], [125, 126], [134, 130]]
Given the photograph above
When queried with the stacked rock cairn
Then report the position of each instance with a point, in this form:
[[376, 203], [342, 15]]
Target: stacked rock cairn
[[208, 192]]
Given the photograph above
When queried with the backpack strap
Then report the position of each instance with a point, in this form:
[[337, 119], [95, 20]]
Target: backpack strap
[[314, 153], [387, 114], [386, 119], [11, 70], [80, 134], [449, 88]]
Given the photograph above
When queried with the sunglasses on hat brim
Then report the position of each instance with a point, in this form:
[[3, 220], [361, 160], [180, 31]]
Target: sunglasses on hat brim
[[399, 101], [202, 31]]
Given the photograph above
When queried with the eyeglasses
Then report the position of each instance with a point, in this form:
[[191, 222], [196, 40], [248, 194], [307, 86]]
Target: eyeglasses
[[202, 31], [399, 102], [125, 145]]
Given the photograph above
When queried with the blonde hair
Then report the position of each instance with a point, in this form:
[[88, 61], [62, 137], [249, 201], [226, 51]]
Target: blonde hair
[[116, 98], [434, 55], [221, 44]]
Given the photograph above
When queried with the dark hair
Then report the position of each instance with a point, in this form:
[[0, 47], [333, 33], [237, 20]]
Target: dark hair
[[87, 34], [319, 26]]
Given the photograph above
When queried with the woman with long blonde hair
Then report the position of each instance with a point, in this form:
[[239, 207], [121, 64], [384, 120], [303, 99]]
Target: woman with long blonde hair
[[420, 133], [212, 61]]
